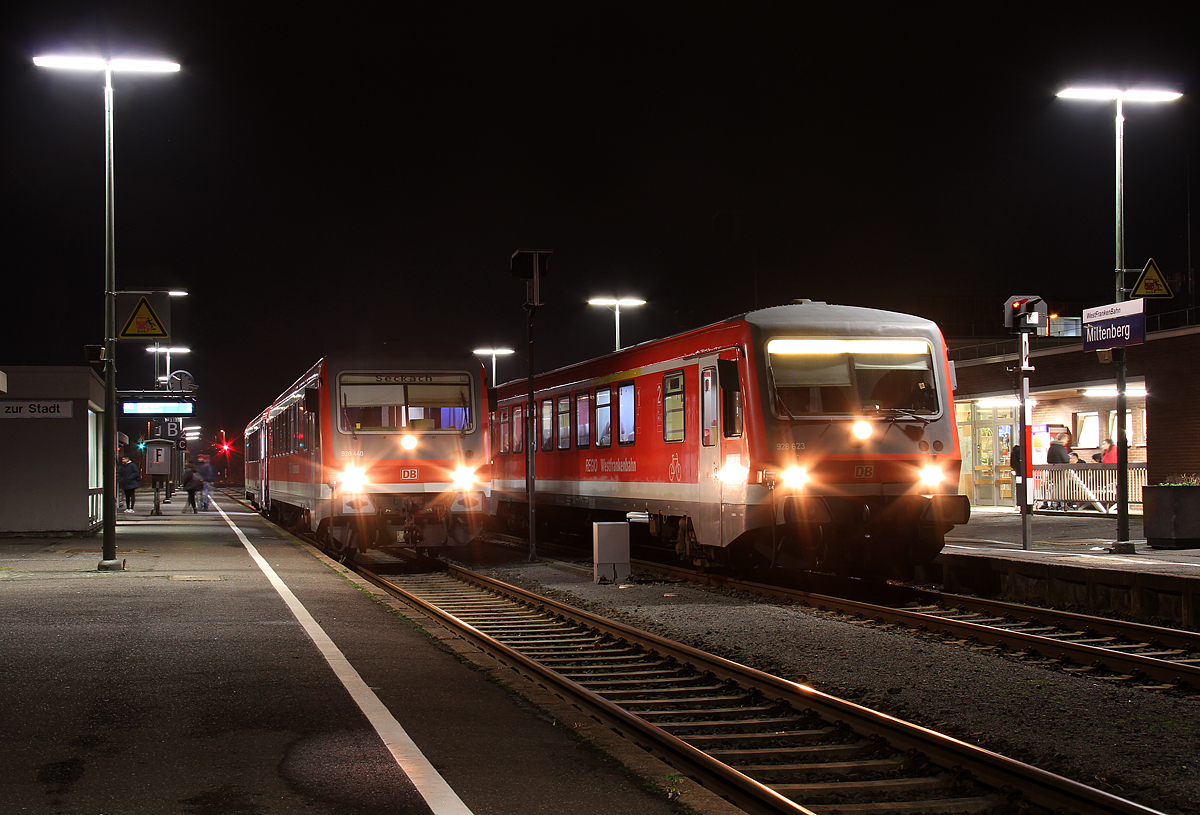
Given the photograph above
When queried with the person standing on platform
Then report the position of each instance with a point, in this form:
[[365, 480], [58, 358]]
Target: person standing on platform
[[1108, 452], [206, 474], [193, 483], [1057, 454], [130, 476]]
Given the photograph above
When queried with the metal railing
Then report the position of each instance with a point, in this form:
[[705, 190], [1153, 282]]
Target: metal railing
[[1085, 486]]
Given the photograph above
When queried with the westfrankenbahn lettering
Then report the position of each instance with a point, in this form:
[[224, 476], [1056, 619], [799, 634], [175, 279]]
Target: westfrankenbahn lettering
[[622, 466], [1099, 333]]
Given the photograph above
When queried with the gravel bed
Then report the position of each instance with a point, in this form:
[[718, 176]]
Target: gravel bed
[[1141, 745]]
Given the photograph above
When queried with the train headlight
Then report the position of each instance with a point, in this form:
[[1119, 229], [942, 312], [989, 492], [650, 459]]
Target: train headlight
[[408, 442], [464, 479], [795, 477], [932, 475], [733, 474], [354, 478], [862, 430]]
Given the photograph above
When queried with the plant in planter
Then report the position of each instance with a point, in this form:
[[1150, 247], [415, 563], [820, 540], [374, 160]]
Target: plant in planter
[[1171, 513]]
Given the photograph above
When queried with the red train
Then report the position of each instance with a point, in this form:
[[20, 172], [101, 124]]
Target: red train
[[371, 452], [799, 435]]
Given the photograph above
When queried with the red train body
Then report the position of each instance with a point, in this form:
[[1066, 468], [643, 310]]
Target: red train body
[[373, 452], [806, 434]]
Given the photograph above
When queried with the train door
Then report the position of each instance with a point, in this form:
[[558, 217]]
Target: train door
[[264, 447], [708, 512]]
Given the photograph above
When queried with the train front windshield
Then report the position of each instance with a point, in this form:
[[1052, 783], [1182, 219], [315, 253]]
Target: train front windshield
[[389, 403], [851, 377]]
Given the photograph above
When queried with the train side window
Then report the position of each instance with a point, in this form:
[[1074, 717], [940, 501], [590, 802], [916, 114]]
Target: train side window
[[709, 406], [672, 406], [604, 417], [583, 419], [547, 424], [563, 420], [626, 413], [518, 428], [505, 438]]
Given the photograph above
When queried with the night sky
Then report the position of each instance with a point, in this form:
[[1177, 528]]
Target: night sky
[[325, 178]]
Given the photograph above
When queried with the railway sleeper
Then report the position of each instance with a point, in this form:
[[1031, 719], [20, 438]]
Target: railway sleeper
[[766, 773], [978, 805], [697, 714], [806, 735], [907, 787]]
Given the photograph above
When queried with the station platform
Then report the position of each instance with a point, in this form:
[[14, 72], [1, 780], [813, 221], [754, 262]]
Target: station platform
[[1070, 563], [232, 669]]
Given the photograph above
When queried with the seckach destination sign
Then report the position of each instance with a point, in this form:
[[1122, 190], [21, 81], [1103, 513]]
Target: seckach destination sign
[[1114, 326]]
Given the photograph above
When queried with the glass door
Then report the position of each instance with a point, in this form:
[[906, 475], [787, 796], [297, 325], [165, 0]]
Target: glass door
[[994, 437]]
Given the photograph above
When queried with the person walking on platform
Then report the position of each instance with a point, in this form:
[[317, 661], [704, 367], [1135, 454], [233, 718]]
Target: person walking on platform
[[131, 478], [193, 483], [206, 474]]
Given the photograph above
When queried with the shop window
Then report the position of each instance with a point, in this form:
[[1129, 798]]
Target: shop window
[[673, 407], [583, 419]]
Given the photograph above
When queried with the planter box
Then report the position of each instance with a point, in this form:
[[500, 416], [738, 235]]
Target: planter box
[[1171, 518]]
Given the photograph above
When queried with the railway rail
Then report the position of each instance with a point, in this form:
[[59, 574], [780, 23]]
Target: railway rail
[[1130, 651], [765, 744]]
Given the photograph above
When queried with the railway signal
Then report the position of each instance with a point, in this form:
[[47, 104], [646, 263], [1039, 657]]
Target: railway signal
[[1025, 314]]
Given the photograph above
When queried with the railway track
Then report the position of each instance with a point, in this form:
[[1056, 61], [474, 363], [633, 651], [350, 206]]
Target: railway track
[[1161, 658], [765, 744]]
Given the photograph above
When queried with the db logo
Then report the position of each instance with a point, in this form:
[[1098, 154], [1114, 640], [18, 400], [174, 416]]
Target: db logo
[[864, 471], [409, 474]]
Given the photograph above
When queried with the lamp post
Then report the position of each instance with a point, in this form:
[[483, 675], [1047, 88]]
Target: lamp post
[[1120, 97], [483, 352], [108, 562], [156, 349], [615, 305]]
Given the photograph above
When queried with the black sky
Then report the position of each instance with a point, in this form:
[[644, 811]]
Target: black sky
[[325, 178]]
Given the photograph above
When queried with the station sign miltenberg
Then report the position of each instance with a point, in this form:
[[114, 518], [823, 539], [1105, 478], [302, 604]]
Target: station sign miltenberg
[[1114, 326]]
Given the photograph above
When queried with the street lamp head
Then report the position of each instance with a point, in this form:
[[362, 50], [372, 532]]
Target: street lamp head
[[609, 301], [154, 66], [1115, 94], [493, 351]]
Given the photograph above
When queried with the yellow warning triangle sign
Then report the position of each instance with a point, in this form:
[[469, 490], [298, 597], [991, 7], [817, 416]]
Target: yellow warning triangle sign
[[1152, 283], [143, 324]]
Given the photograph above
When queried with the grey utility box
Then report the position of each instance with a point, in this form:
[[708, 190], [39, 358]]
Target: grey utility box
[[610, 551]]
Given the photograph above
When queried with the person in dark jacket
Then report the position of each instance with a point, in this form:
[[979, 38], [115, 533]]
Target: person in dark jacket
[[130, 476], [1058, 453], [193, 483], [206, 474]]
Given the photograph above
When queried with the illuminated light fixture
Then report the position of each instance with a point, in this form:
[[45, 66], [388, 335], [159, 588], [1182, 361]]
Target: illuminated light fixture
[[483, 352], [932, 475], [153, 66], [794, 477], [847, 347], [408, 441], [1111, 391], [354, 478], [733, 474], [862, 430], [616, 304], [464, 478], [1113, 94]]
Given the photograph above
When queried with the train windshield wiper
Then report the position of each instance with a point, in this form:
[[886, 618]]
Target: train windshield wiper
[[900, 414]]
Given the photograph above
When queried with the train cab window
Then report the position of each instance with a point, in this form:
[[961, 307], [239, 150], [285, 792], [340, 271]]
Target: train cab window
[[389, 403], [518, 428], [626, 412], [505, 425], [604, 417], [850, 376], [672, 406], [547, 424], [709, 407], [562, 421], [583, 419]]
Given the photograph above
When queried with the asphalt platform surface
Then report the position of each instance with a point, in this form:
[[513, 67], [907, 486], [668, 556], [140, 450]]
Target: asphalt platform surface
[[187, 683]]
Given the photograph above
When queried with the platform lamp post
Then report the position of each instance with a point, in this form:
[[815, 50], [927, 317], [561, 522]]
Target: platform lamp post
[[494, 352], [615, 305], [1120, 97], [156, 349], [108, 561]]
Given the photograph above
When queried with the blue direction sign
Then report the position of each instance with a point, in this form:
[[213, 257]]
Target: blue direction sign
[[1114, 326]]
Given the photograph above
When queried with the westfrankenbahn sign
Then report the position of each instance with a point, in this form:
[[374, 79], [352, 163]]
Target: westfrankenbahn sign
[[1114, 326]]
